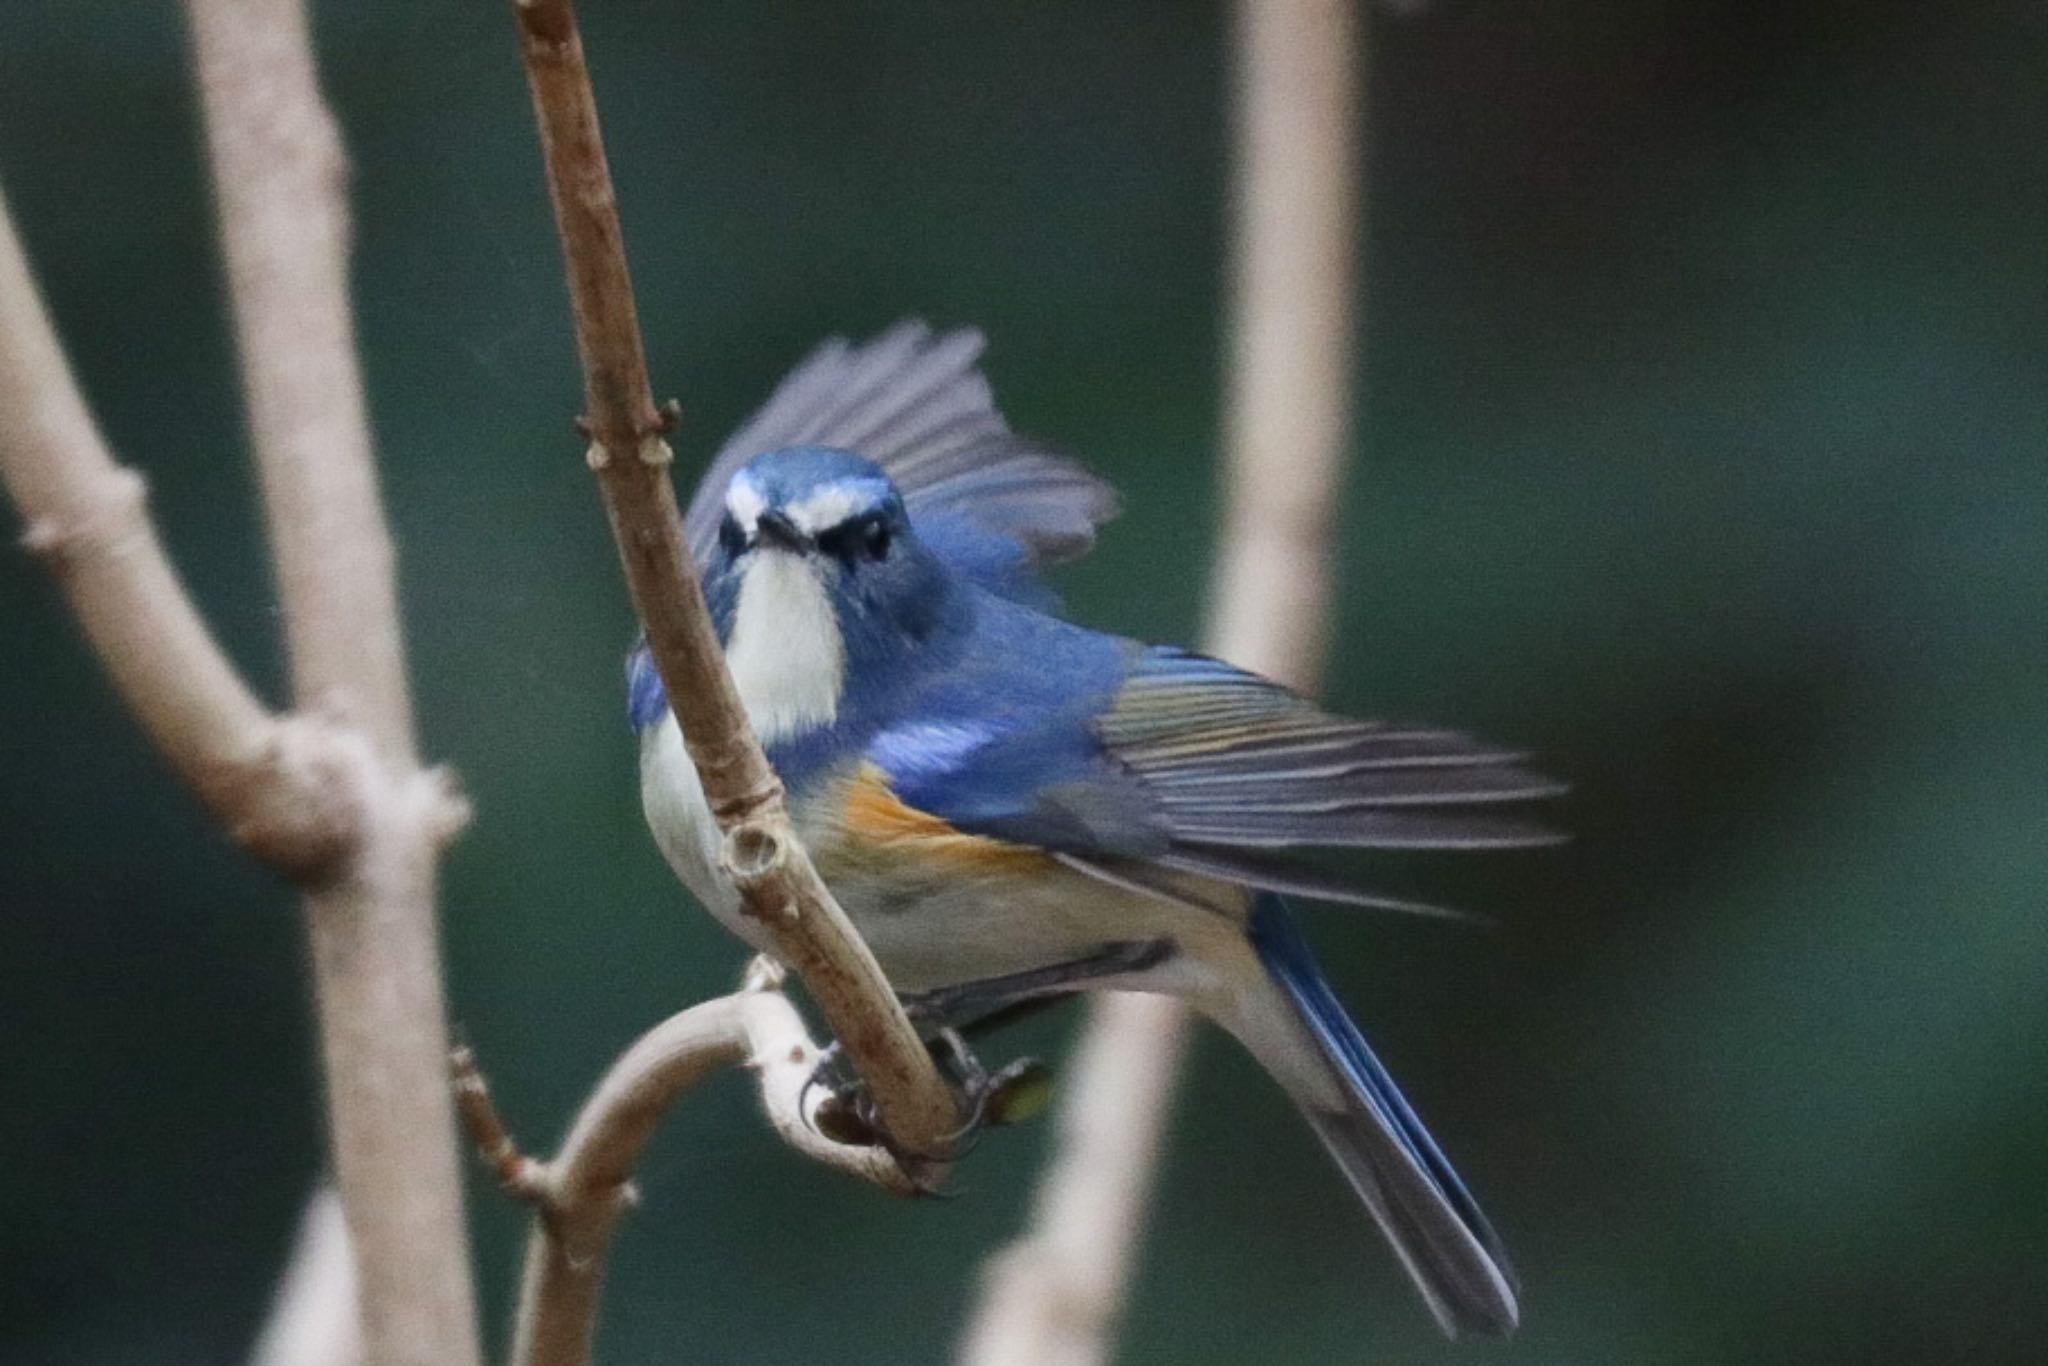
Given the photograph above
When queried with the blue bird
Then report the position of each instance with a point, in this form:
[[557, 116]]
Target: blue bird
[[1011, 806]]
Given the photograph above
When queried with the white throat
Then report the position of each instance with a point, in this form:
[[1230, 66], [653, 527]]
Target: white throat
[[785, 651]]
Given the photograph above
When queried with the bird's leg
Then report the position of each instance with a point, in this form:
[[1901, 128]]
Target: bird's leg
[[971, 1005], [1012, 1094], [945, 1016]]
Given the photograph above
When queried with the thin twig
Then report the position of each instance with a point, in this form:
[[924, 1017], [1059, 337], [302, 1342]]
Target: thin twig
[[579, 1196], [521, 1177], [1053, 1298], [768, 865], [279, 173]]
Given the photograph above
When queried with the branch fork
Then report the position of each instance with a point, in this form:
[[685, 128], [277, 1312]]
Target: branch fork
[[331, 794], [580, 1194]]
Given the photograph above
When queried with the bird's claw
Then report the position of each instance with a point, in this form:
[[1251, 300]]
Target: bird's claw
[[1012, 1094]]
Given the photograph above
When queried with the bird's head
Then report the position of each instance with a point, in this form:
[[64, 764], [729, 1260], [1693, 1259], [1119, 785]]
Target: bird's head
[[814, 502], [820, 584]]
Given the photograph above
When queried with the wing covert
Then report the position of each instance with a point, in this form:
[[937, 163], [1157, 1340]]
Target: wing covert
[[1138, 764]]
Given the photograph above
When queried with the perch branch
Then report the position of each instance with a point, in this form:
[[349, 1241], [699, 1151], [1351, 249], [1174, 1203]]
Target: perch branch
[[278, 174], [1054, 1296], [768, 866], [579, 1196]]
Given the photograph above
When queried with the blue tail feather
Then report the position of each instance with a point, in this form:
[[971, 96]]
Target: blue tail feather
[[1399, 1171]]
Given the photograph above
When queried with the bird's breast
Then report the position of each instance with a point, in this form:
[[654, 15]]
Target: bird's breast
[[785, 650]]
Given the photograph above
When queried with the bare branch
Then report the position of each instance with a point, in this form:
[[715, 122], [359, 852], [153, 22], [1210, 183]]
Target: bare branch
[[279, 181], [332, 797], [314, 1321], [1300, 97], [278, 175], [286, 789], [782, 1054], [769, 867], [579, 1196], [1055, 1295]]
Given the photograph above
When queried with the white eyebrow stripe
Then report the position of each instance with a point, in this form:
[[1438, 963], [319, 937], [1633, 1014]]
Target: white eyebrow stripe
[[836, 503], [745, 502]]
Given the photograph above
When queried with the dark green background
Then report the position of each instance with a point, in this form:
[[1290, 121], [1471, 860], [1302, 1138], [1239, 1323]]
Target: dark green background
[[1704, 453]]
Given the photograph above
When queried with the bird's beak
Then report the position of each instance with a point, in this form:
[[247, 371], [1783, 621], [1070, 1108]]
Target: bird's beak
[[775, 531]]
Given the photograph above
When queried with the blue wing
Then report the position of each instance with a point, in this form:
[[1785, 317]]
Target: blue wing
[[1135, 761], [992, 503], [1001, 744]]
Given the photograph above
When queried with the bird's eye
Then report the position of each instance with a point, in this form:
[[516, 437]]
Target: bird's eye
[[730, 538], [862, 538]]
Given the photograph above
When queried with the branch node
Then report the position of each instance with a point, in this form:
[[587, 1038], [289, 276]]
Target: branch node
[[756, 856], [445, 809], [301, 803], [753, 851], [117, 512], [595, 455], [764, 973], [667, 416], [739, 808], [653, 451]]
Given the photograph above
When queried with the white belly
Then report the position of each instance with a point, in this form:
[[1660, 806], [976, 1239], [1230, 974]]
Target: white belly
[[684, 828]]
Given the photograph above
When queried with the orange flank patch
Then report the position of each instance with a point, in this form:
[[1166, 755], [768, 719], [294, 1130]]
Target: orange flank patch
[[877, 818]]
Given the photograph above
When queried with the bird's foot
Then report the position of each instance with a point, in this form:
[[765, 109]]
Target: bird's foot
[[1012, 1094]]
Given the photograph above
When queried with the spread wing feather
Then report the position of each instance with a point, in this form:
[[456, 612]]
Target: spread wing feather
[[916, 403], [1234, 761]]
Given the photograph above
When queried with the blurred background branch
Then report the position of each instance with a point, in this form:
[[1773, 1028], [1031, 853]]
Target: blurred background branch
[[279, 176], [1055, 1296], [337, 802], [279, 785]]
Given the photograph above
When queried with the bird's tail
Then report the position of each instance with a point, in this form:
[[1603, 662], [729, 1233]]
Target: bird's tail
[[1404, 1179]]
